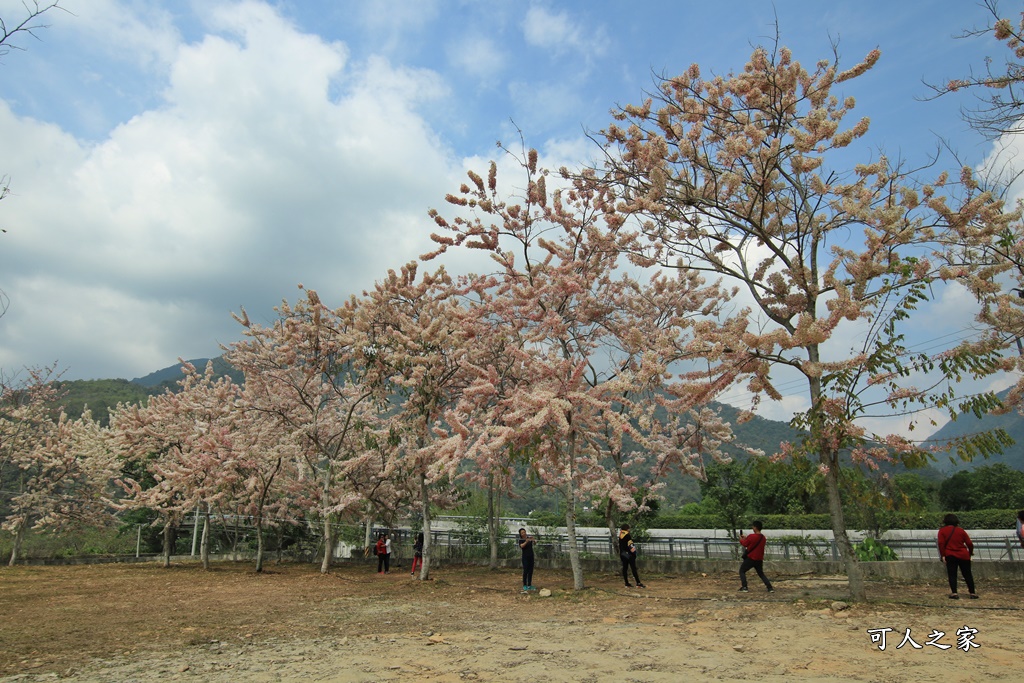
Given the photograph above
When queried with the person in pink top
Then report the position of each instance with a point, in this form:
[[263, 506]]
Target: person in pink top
[[955, 550]]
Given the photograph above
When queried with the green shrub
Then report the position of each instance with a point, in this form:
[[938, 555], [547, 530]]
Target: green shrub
[[870, 550], [806, 547]]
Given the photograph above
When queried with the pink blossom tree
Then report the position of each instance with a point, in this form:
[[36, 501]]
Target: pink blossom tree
[[419, 344], [307, 373], [175, 446], [590, 341], [55, 470], [741, 176]]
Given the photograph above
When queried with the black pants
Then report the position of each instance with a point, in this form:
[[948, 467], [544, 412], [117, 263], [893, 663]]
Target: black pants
[[757, 566], [527, 571], [965, 568], [628, 562], [384, 562]]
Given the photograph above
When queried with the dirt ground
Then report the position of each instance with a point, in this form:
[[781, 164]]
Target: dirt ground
[[144, 623]]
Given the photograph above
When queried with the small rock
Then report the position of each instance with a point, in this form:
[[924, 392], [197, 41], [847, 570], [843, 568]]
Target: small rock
[[739, 648], [436, 638], [840, 606], [544, 593], [184, 668], [518, 648]]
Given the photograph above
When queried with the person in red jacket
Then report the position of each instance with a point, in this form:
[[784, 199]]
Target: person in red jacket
[[955, 550], [753, 557]]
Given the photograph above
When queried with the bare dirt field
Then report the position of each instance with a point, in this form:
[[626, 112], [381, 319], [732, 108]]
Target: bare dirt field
[[143, 623]]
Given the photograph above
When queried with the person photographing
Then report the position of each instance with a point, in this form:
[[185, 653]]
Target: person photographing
[[753, 557]]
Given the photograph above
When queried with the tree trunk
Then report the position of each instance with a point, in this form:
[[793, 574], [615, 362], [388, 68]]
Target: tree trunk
[[325, 566], [368, 532], [570, 516], [204, 543], [427, 545], [854, 573], [259, 544], [570, 530], [492, 523], [19, 536], [168, 543], [829, 457], [613, 536]]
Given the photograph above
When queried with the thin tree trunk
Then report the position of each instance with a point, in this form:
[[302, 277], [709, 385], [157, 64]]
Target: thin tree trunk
[[570, 516], [492, 522], [19, 536], [325, 565], [427, 545], [204, 543], [613, 536], [570, 530], [368, 532], [168, 543], [829, 457], [854, 572], [259, 544]]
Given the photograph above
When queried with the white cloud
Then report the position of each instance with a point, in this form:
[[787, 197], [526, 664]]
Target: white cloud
[[477, 56], [559, 32], [272, 160]]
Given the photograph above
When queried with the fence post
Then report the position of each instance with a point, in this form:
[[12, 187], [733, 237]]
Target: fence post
[[707, 549], [671, 549], [138, 541], [785, 549]]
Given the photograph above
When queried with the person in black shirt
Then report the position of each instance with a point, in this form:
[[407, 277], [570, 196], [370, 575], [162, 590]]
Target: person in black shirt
[[526, 544], [627, 553]]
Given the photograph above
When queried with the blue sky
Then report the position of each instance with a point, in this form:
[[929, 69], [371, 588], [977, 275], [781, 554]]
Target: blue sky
[[172, 161]]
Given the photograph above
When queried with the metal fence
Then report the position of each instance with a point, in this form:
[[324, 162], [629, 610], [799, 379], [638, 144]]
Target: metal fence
[[455, 546]]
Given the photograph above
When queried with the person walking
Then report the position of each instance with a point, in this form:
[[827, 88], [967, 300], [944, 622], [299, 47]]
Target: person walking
[[417, 553], [627, 555], [526, 545], [753, 556], [955, 551]]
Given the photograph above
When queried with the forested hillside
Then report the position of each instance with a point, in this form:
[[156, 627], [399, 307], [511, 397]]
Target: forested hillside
[[100, 395], [1012, 423]]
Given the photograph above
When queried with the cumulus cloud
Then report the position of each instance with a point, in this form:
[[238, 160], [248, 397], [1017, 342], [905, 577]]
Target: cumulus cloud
[[272, 159]]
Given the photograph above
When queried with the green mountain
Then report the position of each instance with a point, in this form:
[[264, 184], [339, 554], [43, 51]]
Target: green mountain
[[100, 395], [169, 377], [1012, 423]]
